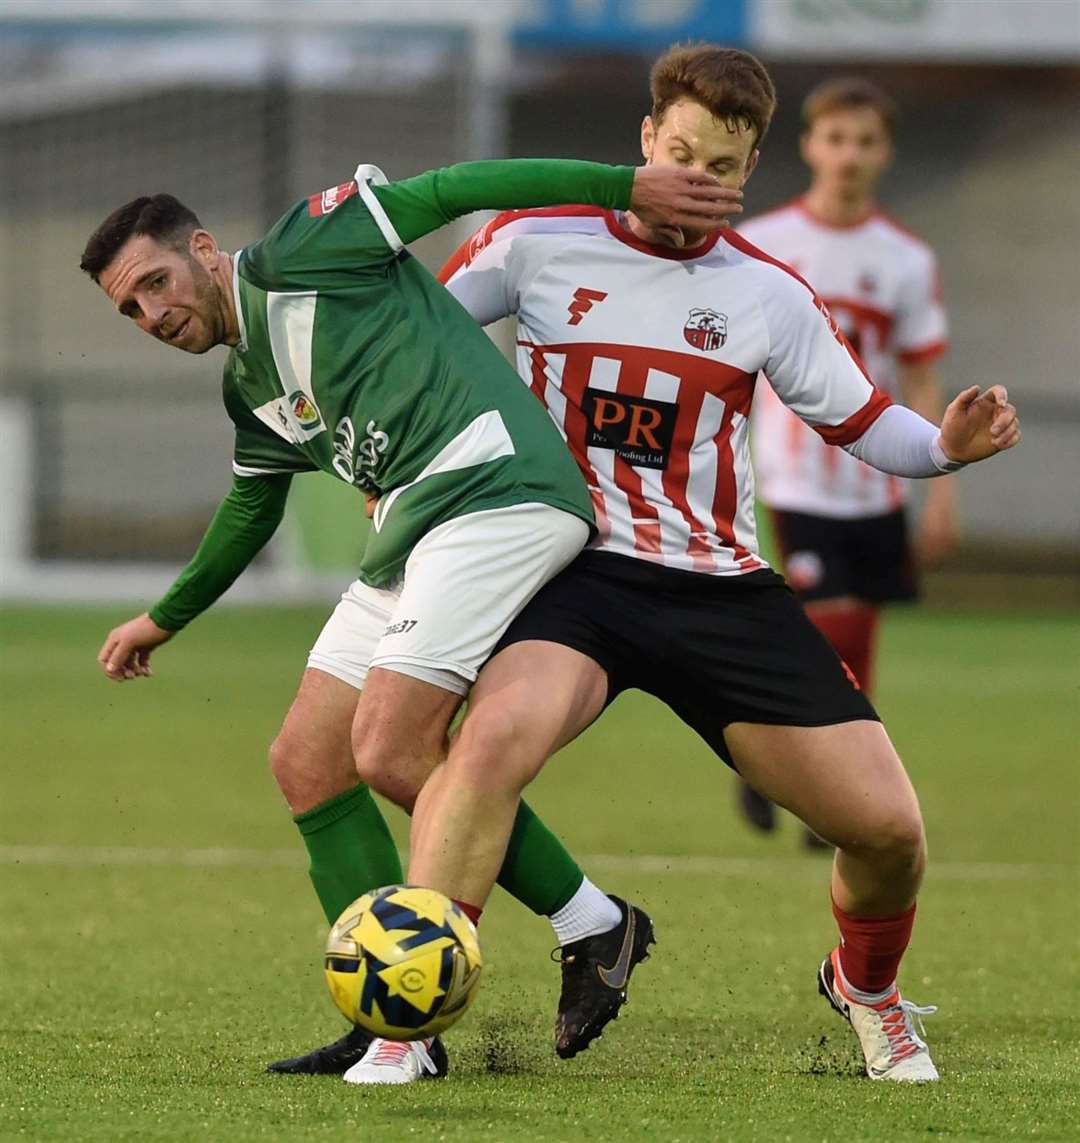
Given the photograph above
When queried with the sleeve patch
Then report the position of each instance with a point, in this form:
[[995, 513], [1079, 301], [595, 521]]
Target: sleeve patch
[[330, 199]]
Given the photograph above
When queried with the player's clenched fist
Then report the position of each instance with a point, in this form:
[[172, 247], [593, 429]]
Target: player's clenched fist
[[125, 654], [674, 196], [977, 425]]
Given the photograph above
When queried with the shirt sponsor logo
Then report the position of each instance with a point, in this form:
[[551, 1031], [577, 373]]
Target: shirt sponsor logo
[[706, 330], [358, 464], [638, 429], [330, 199]]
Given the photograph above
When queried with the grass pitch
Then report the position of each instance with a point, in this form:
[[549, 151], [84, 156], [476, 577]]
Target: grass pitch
[[159, 941]]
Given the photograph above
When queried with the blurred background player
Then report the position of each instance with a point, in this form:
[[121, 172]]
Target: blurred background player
[[840, 525]]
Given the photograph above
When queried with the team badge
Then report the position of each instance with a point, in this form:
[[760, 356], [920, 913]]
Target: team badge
[[804, 570], [307, 416], [706, 329], [331, 199]]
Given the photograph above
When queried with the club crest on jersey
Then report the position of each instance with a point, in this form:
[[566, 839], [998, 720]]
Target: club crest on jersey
[[304, 410], [705, 329], [330, 199]]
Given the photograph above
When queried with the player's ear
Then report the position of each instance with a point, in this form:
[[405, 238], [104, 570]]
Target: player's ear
[[203, 246], [648, 138]]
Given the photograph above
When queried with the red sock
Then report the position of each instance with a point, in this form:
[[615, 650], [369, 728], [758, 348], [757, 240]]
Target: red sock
[[471, 911], [852, 633], [871, 948]]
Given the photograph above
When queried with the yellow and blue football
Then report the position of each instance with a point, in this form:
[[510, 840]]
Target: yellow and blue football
[[403, 962]]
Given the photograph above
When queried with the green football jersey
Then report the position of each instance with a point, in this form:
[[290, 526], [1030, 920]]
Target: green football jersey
[[354, 360]]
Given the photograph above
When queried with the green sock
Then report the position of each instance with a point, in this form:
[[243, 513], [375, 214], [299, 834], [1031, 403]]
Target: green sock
[[537, 870], [350, 847]]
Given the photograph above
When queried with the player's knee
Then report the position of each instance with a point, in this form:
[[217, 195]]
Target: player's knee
[[388, 774], [282, 757], [495, 751], [293, 777], [897, 842]]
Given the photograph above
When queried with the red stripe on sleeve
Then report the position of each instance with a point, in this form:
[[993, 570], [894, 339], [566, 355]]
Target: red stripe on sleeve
[[922, 353], [857, 424]]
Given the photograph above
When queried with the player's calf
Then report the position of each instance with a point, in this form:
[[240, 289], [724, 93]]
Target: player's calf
[[879, 870]]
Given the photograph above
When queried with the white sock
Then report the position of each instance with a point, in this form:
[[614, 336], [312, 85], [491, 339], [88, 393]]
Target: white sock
[[588, 913], [867, 998]]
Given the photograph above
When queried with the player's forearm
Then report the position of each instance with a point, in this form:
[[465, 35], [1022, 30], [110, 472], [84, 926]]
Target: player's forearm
[[244, 521], [904, 444], [422, 204]]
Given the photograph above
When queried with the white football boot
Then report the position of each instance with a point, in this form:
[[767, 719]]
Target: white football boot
[[392, 1061], [886, 1031]]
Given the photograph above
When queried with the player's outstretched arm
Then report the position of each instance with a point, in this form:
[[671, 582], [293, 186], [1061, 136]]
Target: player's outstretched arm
[[245, 520], [671, 195]]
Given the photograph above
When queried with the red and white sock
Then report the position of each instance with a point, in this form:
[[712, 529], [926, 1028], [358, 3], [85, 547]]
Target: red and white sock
[[473, 912], [870, 953]]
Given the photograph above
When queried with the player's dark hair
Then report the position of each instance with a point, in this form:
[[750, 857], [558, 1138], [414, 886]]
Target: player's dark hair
[[733, 85], [848, 93], [160, 216]]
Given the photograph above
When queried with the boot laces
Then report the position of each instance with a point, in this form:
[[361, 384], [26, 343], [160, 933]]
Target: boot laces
[[899, 1021], [394, 1053]]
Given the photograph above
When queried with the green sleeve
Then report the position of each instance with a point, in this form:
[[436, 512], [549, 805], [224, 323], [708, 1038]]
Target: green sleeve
[[352, 230], [425, 202], [244, 521]]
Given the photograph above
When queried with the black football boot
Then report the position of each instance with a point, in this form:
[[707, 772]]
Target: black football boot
[[332, 1060], [595, 972]]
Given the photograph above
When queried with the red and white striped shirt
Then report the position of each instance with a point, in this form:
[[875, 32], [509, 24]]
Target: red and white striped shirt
[[881, 284], [646, 357]]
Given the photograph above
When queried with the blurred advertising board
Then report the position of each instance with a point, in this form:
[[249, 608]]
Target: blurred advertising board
[[998, 31]]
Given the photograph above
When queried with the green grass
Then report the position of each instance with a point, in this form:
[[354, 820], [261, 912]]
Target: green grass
[[140, 999]]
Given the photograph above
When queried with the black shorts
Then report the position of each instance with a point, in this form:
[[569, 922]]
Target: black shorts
[[868, 557], [716, 649]]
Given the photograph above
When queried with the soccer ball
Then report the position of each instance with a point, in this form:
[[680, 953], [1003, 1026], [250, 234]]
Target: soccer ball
[[403, 962]]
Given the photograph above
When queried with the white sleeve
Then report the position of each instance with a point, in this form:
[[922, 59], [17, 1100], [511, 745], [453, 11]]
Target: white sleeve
[[921, 331], [903, 443], [810, 364], [481, 275]]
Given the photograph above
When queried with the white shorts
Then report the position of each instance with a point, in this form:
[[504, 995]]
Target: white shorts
[[462, 585]]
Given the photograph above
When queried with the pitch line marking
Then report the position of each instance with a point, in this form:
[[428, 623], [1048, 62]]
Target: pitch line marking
[[651, 864]]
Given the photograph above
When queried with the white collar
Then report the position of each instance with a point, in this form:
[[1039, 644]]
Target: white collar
[[240, 324]]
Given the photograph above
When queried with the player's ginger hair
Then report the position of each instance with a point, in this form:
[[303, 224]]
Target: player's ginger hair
[[846, 93], [733, 85]]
